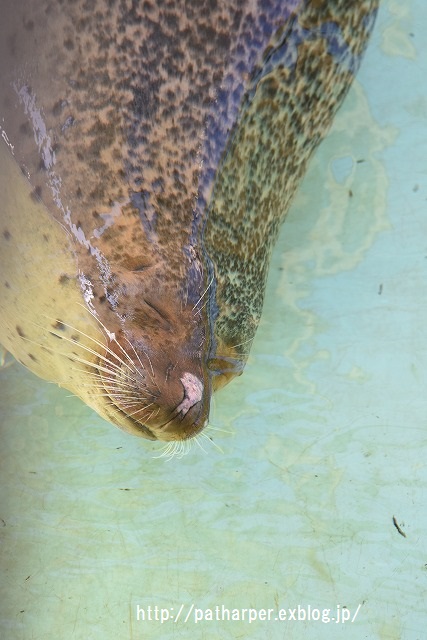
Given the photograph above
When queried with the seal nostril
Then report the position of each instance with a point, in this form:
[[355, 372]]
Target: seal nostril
[[193, 392], [186, 419]]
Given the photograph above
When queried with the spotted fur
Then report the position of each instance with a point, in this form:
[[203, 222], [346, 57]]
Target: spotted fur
[[167, 139]]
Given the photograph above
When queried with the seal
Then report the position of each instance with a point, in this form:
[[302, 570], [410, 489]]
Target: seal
[[150, 153]]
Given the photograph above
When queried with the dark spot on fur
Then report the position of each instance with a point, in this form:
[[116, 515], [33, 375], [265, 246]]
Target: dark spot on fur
[[69, 44], [45, 237], [6, 234], [25, 129], [68, 123], [30, 355], [7, 285], [58, 107], [36, 194], [55, 335], [103, 136], [75, 338], [102, 298], [64, 279], [19, 331], [59, 325], [29, 25]]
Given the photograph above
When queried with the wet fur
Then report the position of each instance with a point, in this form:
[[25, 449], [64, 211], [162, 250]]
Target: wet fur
[[159, 146]]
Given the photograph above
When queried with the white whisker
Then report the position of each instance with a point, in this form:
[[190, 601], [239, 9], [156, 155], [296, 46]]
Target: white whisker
[[212, 442], [94, 315], [202, 307], [139, 410], [112, 337], [89, 364], [97, 342], [70, 326], [139, 360], [203, 294], [244, 342], [210, 427], [165, 450], [125, 401], [105, 381], [199, 444], [111, 386], [78, 345]]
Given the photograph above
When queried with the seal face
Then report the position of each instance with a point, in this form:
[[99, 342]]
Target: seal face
[[150, 152]]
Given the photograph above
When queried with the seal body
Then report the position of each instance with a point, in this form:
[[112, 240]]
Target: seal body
[[150, 152]]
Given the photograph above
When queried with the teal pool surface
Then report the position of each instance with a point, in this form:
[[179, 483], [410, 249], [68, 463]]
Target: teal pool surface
[[312, 496]]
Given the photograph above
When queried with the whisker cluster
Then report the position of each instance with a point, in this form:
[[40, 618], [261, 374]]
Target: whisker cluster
[[114, 375], [176, 449], [180, 448]]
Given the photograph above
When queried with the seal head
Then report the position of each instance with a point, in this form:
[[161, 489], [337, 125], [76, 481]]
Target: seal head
[[170, 406]]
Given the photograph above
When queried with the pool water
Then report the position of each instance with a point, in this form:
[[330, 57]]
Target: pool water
[[311, 495]]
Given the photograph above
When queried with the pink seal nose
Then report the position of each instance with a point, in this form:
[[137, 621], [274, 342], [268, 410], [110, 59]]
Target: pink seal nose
[[193, 390]]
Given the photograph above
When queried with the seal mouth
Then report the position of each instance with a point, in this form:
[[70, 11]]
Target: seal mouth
[[184, 423], [125, 422], [178, 427], [169, 407]]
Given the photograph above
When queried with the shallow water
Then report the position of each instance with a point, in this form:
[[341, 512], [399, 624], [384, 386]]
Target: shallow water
[[319, 445]]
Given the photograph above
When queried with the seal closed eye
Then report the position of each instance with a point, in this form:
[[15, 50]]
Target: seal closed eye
[[149, 154]]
